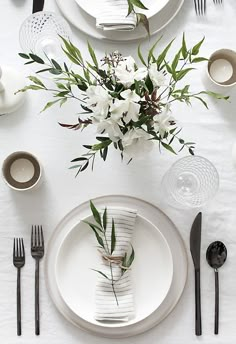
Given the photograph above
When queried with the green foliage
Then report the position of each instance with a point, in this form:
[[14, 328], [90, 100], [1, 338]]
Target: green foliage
[[72, 83]]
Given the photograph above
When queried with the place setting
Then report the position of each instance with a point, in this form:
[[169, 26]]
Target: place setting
[[117, 264]]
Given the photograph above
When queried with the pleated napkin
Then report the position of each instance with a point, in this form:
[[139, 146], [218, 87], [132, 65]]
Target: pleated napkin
[[113, 16], [107, 308]]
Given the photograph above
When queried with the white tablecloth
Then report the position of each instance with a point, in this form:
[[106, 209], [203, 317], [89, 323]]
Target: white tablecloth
[[213, 130]]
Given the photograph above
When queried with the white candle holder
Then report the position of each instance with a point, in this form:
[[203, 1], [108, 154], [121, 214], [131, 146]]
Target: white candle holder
[[221, 68], [10, 82]]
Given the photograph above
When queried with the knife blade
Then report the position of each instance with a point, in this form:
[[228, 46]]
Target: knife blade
[[38, 5], [195, 248]]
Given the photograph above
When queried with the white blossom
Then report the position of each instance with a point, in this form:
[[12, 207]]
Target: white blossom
[[157, 77], [98, 101], [163, 122], [125, 109], [136, 142], [110, 127], [126, 72]]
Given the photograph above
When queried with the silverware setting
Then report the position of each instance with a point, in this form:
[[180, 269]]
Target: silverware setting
[[216, 256], [37, 253], [18, 262], [200, 7]]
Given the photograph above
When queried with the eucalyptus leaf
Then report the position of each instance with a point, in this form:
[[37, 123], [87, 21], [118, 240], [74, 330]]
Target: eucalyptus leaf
[[96, 213], [113, 237], [104, 219]]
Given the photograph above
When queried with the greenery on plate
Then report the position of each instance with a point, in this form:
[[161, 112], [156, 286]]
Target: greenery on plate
[[130, 106], [100, 230]]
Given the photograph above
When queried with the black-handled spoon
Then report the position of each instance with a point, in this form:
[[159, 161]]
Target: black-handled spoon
[[216, 256]]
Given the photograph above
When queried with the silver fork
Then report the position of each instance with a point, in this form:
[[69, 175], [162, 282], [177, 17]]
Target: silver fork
[[200, 6], [216, 2], [37, 252], [18, 262]]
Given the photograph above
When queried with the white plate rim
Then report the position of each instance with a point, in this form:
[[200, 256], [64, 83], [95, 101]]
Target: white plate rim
[[149, 16], [175, 297], [137, 34], [130, 322]]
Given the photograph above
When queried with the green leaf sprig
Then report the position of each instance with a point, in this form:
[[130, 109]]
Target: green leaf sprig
[[99, 228]]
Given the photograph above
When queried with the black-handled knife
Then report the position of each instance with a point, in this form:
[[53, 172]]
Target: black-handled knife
[[37, 5], [195, 248]]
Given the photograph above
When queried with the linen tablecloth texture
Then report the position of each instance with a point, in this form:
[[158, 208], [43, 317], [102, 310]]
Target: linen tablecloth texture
[[108, 306], [214, 131], [113, 16]]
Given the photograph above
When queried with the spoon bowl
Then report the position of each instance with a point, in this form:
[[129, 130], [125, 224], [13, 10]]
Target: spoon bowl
[[216, 254]]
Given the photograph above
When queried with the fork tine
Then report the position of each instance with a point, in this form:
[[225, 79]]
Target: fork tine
[[23, 248], [17, 247], [32, 233], [42, 238], [14, 247], [38, 232], [20, 250]]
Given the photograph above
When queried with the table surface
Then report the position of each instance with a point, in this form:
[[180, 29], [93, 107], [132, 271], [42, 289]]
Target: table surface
[[213, 130]]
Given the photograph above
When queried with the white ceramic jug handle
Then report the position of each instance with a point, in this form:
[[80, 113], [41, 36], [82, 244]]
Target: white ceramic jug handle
[[1, 85]]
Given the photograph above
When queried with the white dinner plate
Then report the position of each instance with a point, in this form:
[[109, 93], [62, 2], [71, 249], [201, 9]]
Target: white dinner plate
[[152, 271], [156, 221], [87, 24], [94, 7]]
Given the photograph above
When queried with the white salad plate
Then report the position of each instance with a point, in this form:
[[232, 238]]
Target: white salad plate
[[94, 7], [159, 270], [87, 24]]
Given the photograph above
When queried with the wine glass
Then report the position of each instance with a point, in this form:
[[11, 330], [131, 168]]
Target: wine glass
[[191, 181]]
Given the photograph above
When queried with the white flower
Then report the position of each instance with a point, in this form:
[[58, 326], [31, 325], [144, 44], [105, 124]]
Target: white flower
[[110, 127], [163, 122], [130, 95], [98, 101], [136, 142], [126, 72], [125, 109], [158, 78]]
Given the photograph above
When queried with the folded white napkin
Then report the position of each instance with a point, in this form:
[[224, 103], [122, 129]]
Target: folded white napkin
[[106, 305], [113, 16]]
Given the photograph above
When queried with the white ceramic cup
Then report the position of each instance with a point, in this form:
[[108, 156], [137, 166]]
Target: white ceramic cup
[[221, 68], [22, 171]]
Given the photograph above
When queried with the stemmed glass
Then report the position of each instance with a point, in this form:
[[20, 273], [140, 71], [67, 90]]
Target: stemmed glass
[[191, 182]]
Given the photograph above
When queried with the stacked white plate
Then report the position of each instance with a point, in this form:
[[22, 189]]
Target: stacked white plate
[[159, 271], [82, 14]]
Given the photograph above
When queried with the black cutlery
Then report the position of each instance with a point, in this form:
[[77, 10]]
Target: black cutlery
[[216, 256], [19, 262], [37, 252], [37, 5], [195, 248]]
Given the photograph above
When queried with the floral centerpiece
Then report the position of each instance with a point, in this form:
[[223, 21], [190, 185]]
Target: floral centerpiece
[[130, 106]]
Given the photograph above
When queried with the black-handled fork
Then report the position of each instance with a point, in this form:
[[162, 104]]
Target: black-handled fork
[[19, 262], [37, 252]]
